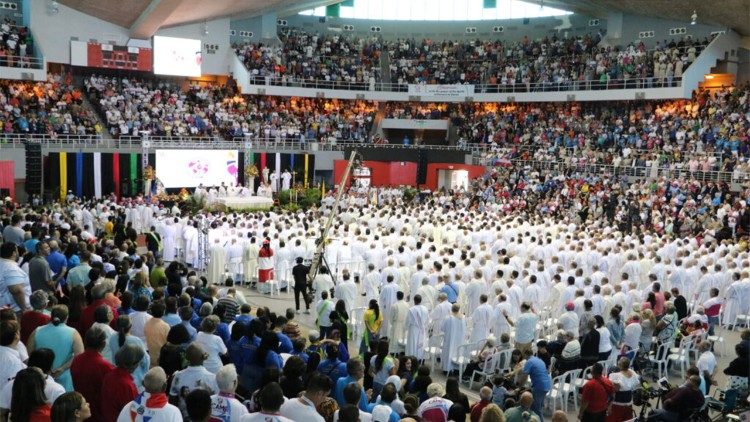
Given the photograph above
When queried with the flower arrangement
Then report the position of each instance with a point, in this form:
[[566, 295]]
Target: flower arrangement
[[251, 171]]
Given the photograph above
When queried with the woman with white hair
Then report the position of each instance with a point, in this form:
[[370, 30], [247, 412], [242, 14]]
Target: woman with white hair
[[153, 403], [224, 405]]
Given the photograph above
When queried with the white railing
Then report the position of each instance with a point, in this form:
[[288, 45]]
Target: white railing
[[23, 62], [639, 172]]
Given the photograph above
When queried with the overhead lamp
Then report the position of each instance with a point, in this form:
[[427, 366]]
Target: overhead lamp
[[54, 7], [205, 28], [694, 18]]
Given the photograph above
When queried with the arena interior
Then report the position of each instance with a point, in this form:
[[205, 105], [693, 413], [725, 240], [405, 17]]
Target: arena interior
[[374, 210]]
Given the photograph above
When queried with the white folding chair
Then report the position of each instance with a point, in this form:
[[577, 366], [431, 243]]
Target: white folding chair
[[503, 364], [681, 358], [659, 359], [741, 319], [487, 369], [463, 357], [433, 349]]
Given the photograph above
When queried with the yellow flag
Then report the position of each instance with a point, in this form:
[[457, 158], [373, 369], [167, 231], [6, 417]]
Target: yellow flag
[[307, 160], [63, 175]]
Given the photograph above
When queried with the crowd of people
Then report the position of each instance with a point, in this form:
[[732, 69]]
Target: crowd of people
[[550, 63], [163, 109], [307, 57], [619, 269], [16, 44], [51, 107]]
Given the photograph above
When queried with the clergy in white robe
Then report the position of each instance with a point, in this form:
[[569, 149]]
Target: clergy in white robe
[[737, 298], [371, 284], [217, 262], [481, 320], [250, 260], [416, 328], [439, 314], [501, 312], [474, 290], [323, 282], [286, 180], [386, 300], [454, 332], [347, 291], [397, 323], [168, 240], [234, 259], [190, 234], [429, 294]]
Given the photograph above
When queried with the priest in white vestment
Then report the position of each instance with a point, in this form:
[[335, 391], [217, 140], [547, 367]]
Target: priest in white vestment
[[454, 332], [429, 294], [346, 290], [439, 314], [168, 240], [371, 284], [217, 262], [323, 282], [286, 180], [476, 288], [250, 260], [416, 328], [234, 259], [397, 323], [190, 234], [481, 320], [500, 315], [386, 300]]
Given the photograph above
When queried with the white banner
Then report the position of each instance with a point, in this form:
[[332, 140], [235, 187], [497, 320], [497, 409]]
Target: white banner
[[444, 91]]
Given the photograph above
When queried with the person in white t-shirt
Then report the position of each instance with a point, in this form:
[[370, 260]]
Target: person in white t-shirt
[[271, 400], [224, 407], [211, 343], [194, 377], [706, 363], [303, 408], [152, 405]]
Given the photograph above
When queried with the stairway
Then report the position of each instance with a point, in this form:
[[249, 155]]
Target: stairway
[[95, 112]]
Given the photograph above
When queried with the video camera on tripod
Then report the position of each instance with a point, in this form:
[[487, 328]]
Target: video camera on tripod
[[643, 395]]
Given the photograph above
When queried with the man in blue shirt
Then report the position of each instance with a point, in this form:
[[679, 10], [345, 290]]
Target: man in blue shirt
[[356, 371], [541, 381], [57, 262], [450, 290]]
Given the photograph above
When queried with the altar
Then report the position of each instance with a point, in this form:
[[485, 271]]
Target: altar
[[245, 203]]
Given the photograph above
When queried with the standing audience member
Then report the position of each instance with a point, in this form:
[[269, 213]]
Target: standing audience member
[[90, 368], [152, 404], [118, 388], [595, 396]]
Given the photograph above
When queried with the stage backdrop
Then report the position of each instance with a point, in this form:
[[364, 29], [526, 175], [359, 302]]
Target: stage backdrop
[[97, 174]]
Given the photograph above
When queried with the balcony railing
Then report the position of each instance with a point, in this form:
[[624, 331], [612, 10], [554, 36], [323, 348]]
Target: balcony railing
[[588, 85]]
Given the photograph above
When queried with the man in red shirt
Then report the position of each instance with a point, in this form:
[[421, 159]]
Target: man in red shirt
[[89, 369], [118, 388], [660, 300], [485, 399], [98, 293], [36, 317], [712, 307], [595, 396]]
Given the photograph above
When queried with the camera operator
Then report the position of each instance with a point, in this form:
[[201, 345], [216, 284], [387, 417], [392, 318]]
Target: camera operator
[[681, 402]]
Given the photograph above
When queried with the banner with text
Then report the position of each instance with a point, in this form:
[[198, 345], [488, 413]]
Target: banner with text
[[443, 91], [108, 56]]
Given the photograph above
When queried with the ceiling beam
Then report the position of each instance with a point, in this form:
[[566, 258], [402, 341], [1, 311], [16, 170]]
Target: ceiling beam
[[153, 17]]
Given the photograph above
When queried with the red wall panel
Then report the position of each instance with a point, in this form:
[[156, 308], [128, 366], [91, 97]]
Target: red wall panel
[[7, 177]]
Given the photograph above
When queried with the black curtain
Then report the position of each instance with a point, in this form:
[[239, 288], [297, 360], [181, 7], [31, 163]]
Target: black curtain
[[88, 175], [241, 168], [52, 174], [125, 181], [108, 179]]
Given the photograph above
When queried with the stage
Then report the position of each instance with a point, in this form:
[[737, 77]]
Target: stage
[[244, 203]]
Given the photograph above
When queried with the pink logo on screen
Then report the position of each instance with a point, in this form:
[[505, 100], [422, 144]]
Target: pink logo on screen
[[232, 168], [198, 168]]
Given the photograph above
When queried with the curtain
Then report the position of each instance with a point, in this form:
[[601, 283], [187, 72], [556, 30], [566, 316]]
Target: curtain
[[97, 174]]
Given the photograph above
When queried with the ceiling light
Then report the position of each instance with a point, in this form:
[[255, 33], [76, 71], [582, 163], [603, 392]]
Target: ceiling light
[[205, 28], [54, 7], [694, 18]]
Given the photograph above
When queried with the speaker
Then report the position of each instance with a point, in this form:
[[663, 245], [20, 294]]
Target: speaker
[[421, 167], [34, 168]]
